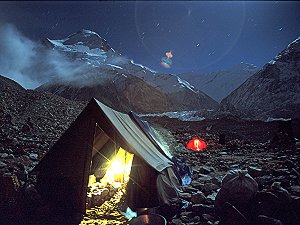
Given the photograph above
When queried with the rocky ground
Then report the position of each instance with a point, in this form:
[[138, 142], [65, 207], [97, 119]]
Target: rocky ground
[[32, 121], [264, 162]]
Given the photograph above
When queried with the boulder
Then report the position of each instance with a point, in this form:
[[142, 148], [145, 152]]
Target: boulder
[[198, 198]]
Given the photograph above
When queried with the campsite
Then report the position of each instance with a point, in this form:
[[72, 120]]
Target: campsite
[[73, 161], [149, 113]]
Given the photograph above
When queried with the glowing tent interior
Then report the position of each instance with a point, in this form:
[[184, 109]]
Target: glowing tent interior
[[196, 144], [101, 137]]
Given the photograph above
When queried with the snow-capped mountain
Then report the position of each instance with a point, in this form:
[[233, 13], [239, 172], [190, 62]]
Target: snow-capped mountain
[[84, 45], [273, 92], [107, 73], [218, 85]]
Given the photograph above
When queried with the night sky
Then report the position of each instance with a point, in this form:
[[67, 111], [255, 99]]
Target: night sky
[[202, 36]]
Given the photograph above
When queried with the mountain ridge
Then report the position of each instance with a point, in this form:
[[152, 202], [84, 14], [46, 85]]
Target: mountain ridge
[[105, 69], [273, 92], [219, 84]]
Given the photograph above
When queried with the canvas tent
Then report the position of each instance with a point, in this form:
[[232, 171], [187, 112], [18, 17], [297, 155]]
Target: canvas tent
[[88, 143]]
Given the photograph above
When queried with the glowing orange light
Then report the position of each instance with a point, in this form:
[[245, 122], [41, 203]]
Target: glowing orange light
[[196, 144], [169, 54]]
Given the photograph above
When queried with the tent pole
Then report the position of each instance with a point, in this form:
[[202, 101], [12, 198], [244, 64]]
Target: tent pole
[[125, 158]]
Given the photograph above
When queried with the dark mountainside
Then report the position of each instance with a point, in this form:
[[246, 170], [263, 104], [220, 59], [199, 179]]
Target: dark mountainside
[[31, 121], [118, 82], [273, 92]]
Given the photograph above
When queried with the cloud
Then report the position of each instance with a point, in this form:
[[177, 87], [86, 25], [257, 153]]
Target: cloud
[[29, 63]]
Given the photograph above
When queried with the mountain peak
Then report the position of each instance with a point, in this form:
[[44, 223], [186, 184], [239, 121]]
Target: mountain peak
[[294, 43], [88, 32], [292, 52], [84, 45], [87, 38]]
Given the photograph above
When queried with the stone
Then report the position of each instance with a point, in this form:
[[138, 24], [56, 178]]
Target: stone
[[295, 189], [201, 209], [196, 219], [97, 199], [3, 155], [33, 156], [190, 189], [212, 196], [210, 187], [206, 169], [189, 214], [197, 185], [10, 156], [255, 172], [186, 196], [208, 217], [198, 198], [177, 221], [204, 178], [264, 180], [223, 153], [217, 181], [2, 164]]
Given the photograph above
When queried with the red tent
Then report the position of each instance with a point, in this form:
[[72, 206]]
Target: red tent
[[196, 144]]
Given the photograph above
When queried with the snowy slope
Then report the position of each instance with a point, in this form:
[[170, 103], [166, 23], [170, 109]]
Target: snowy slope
[[220, 84], [104, 67], [87, 46], [273, 92], [167, 83]]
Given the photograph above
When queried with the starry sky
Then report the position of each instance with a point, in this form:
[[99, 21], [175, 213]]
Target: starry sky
[[201, 35]]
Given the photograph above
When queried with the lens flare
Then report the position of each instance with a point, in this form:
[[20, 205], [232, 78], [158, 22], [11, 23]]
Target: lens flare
[[169, 54], [167, 61]]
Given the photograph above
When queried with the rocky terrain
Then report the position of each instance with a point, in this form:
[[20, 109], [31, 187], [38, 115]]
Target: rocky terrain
[[265, 162], [273, 92], [32, 121]]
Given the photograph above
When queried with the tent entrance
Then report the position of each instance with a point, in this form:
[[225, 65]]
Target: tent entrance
[[105, 196], [117, 171]]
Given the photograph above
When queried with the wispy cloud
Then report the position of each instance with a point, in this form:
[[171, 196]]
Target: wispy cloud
[[30, 64]]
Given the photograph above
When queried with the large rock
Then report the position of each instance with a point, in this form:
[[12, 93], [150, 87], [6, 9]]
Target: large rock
[[198, 198]]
